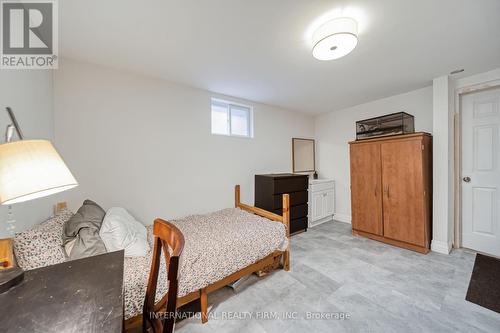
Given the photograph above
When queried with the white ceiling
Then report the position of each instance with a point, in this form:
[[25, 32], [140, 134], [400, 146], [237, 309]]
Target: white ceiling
[[260, 49]]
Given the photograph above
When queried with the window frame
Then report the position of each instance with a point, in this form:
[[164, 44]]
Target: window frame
[[229, 105]]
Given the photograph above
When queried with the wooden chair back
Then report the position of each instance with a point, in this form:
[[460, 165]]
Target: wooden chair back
[[166, 235]]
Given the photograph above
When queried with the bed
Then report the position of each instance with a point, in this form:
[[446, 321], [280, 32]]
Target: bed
[[221, 247]]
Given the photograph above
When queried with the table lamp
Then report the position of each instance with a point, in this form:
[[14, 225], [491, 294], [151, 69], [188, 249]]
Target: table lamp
[[29, 169]]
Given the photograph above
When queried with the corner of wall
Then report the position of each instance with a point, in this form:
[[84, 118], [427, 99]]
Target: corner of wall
[[342, 218], [443, 165]]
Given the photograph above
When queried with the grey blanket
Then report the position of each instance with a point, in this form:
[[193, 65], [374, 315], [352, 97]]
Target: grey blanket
[[83, 227]]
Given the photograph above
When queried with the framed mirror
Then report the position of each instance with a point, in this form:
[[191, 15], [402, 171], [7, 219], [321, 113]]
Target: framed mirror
[[303, 155]]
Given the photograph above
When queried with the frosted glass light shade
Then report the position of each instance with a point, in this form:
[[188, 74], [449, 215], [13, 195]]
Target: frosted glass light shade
[[335, 38], [31, 169]]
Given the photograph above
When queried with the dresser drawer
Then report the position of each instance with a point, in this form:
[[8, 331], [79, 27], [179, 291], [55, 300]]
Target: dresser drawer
[[269, 190], [289, 185], [295, 211], [298, 224], [296, 198]]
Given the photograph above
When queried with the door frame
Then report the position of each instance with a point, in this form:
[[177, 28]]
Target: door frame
[[457, 121]]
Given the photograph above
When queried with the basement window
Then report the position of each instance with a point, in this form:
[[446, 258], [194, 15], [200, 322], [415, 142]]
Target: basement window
[[231, 119]]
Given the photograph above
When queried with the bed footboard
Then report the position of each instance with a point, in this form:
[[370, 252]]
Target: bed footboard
[[285, 219]]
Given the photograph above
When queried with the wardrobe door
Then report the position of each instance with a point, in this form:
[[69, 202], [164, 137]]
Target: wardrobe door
[[403, 191], [366, 200]]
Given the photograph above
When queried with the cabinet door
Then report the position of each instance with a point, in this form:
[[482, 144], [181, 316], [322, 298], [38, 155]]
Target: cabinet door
[[366, 199], [328, 203], [403, 191], [317, 206]]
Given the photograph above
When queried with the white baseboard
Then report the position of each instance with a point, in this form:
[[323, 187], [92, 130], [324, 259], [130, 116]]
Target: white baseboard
[[440, 247], [342, 218], [315, 223]]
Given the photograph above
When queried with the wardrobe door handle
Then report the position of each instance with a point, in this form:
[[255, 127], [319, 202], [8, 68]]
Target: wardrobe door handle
[[386, 190]]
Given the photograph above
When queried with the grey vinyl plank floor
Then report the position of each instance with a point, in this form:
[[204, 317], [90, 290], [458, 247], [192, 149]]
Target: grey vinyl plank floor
[[363, 285]]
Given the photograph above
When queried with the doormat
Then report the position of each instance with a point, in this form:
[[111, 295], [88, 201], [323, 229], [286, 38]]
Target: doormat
[[484, 286]]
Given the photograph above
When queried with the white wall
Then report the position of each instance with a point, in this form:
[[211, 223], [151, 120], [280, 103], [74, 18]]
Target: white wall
[[335, 129], [30, 95], [145, 144], [443, 166]]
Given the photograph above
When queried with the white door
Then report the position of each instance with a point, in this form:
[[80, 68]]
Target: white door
[[328, 200], [481, 171], [318, 209]]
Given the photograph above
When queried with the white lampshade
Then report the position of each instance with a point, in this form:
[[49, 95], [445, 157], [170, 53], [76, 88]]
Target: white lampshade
[[31, 169], [335, 38]]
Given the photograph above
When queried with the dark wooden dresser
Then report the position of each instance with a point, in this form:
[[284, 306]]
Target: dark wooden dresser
[[269, 190]]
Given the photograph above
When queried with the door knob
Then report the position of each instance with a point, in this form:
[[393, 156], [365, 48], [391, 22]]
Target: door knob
[[466, 179]]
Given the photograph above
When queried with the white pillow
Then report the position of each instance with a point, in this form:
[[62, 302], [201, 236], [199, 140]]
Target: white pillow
[[120, 231]]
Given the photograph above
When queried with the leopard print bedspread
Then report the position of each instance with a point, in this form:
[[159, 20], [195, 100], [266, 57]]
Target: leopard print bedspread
[[217, 245]]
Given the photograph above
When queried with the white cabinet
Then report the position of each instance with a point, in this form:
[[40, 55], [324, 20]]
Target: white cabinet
[[321, 201]]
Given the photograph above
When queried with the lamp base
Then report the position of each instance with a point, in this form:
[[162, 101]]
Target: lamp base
[[10, 277]]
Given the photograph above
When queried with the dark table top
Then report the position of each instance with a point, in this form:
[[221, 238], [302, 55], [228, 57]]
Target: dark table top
[[83, 295]]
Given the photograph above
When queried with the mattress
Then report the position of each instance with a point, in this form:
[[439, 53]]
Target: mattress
[[216, 245]]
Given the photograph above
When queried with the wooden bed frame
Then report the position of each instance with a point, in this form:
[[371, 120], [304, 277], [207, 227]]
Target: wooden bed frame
[[264, 264]]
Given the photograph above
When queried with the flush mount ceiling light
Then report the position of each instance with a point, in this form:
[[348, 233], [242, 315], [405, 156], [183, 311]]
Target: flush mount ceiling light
[[335, 38]]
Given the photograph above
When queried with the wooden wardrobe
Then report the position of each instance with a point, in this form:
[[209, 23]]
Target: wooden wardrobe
[[391, 189]]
